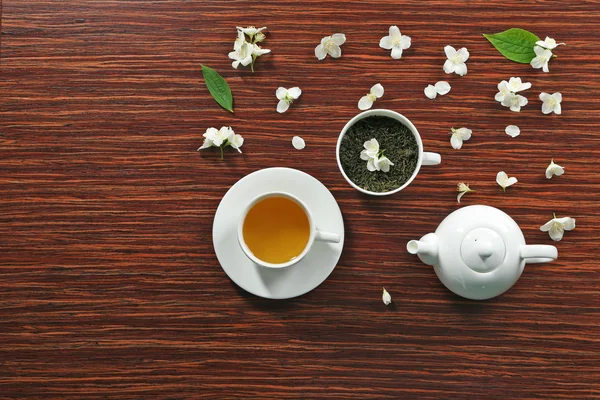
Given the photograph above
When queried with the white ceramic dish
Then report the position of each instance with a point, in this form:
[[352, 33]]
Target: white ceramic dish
[[277, 283], [425, 158]]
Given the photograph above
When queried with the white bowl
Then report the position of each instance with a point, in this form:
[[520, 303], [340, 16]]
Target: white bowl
[[383, 113]]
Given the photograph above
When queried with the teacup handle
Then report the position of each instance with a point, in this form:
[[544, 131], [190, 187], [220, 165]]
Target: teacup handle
[[431, 158], [538, 253], [327, 237]]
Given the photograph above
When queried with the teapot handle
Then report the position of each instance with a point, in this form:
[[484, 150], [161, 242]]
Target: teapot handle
[[538, 253]]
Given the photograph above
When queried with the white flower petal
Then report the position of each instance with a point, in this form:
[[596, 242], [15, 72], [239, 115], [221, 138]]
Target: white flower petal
[[512, 130], [338, 38], [211, 133], [282, 106], [372, 146], [511, 181], [546, 227], [396, 52], [206, 144], [364, 155], [377, 90], [442, 87], [295, 92], [463, 53], [537, 62], [394, 32], [464, 133], [247, 60], [430, 92], [568, 223], [236, 142], [450, 51], [558, 109], [387, 299], [449, 67], [335, 51], [456, 141], [383, 164], [516, 85], [554, 169], [461, 194], [386, 42], [460, 69], [557, 96], [365, 103], [405, 42], [320, 52], [504, 181], [371, 165], [556, 232], [281, 92], [298, 143], [259, 51], [522, 100]]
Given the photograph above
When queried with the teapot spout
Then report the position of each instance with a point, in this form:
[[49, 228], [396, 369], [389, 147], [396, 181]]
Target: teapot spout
[[426, 248]]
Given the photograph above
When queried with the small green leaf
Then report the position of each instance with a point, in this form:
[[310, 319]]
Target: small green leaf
[[515, 44], [218, 88]]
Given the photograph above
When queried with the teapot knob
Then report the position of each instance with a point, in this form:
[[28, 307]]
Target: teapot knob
[[483, 250], [486, 249]]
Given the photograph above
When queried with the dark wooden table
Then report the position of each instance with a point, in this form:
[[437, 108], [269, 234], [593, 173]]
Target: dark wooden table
[[109, 285]]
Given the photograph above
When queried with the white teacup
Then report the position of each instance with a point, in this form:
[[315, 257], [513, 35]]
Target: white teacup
[[314, 233], [425, 158]]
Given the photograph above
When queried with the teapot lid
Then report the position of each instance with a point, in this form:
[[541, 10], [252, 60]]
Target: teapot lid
[[484, 236]]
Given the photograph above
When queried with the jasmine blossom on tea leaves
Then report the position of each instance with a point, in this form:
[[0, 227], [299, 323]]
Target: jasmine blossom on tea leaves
[[400, 148], [374, 157]]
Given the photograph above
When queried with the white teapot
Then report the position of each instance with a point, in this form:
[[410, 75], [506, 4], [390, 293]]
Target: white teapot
[[479, 252]]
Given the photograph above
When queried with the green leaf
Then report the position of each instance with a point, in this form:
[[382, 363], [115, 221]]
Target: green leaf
[[218, 88], [515, 44]]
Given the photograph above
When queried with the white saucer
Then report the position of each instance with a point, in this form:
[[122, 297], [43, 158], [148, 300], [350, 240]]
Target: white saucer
[[287, 282]]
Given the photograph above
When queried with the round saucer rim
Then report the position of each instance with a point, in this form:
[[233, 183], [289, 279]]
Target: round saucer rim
[[308, 288]]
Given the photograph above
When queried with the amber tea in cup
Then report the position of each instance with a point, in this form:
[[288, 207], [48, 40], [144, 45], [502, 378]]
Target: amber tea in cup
[[276, 229]]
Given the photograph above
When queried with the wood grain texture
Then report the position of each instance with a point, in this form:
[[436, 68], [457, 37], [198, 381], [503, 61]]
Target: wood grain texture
[[109, 286]]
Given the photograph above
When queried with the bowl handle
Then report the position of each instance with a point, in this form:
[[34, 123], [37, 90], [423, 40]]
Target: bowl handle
[[538, 253], [431, 158]]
